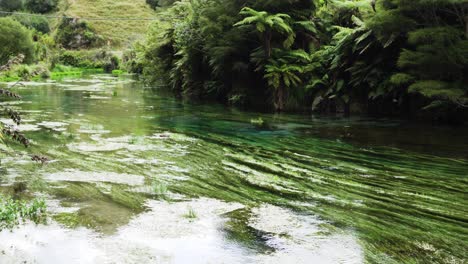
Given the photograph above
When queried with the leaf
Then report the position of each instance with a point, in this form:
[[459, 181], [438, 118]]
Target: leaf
[[316, 102]]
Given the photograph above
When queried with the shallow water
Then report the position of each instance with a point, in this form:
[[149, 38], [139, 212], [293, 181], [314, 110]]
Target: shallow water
[[138, 177]]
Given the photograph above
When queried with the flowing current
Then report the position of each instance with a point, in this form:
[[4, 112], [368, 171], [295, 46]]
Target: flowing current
[[139, 177]]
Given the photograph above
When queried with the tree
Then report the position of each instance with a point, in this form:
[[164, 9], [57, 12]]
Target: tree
[[432, 60], [152, 3], [284, 73], [41, 6], [15, 39], [391, 57], [38, 23], [267, 24], [11, 5]]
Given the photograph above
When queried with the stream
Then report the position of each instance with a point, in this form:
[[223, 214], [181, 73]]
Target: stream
[[136, 176]]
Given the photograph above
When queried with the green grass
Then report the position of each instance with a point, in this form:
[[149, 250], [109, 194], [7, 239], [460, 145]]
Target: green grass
[[9, 78], [115, 33]]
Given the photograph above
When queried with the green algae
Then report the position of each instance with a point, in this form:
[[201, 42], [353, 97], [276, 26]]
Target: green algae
[[237, 229]]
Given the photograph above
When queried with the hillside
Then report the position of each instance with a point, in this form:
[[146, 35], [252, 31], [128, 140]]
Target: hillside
[[119, 33]]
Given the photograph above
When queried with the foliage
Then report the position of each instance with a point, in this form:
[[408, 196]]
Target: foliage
[[45, 49], [131, 62], [159, 3], [11, 5], [76, 34], [12, 212], [38, 23], [185, 50], [41, 6], [265, 23], [9, 130], [153, 3], [27, 72], [15, 39], [380, 57], [90, 59]]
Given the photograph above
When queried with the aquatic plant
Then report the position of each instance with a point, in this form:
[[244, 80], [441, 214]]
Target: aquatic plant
[[159, 188], [259, 121], [13, 212], [191, 214], [133, 140], [117, 73]]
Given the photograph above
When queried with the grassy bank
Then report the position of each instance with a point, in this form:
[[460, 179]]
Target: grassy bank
[[57, 73], [116, 33]]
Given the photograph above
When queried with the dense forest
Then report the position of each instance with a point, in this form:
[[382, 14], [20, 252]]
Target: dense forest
[[387, 57]]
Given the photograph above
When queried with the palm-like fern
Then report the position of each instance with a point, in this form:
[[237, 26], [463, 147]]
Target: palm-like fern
[[266, 24], [284, 72]]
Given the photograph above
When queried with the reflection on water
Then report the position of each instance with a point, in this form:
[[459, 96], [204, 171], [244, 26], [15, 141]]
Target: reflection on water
[[138, 177]]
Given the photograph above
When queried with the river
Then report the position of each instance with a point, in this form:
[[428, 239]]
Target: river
[[139, 177]]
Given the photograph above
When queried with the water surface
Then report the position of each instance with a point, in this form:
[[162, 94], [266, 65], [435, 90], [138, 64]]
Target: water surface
[[138, 177]]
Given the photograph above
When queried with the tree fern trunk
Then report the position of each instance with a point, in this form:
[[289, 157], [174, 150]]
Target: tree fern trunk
[[268, 43], [466, 26], [279, 99]]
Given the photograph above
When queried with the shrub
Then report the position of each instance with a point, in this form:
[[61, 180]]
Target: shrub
[[79, 59], [152, 3], [157, 3], [27, 72], [131, 62], [90, 59], [38, 23], [76, 34], [15, 39], [111, 64], [41, 6]]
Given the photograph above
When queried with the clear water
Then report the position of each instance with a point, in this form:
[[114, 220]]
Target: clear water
[[139, 177]]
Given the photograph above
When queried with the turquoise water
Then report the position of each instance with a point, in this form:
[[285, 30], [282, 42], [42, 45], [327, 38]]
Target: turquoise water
[[137, 176]]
